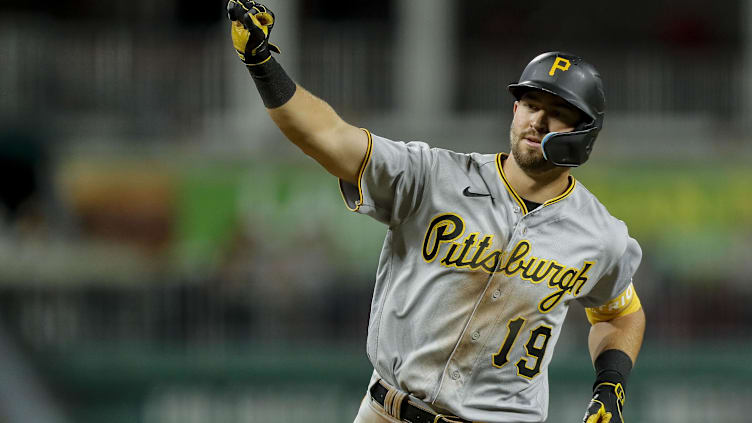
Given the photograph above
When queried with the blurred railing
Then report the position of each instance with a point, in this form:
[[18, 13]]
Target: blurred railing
[[139, 74], [181, 314], [155, 77], [350, 66]]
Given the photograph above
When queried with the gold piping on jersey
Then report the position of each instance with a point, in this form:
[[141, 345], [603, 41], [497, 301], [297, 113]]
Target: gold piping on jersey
[[520, 201], [626, 303], [511, 190], [565, 194], [362, 170]]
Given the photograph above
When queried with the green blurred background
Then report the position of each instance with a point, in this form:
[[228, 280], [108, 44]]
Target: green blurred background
[[167, 256]]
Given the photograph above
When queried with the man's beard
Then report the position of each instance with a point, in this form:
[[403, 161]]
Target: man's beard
[[529, 160]]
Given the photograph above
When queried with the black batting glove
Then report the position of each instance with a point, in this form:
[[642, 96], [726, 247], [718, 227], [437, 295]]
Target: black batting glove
[[606, 405], [252, 24]]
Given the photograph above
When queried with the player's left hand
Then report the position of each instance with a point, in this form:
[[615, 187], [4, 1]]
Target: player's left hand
[[606, 405], [252, 25]]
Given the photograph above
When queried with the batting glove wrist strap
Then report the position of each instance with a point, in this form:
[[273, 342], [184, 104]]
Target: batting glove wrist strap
[[612, 370], [252, 24], [607, 404]]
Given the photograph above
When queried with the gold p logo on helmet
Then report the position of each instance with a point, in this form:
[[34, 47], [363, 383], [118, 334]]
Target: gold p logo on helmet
[[561, 64]]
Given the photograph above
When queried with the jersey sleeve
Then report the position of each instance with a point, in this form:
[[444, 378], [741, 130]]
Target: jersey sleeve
[[391, 181], [617, 278], [626, 303]]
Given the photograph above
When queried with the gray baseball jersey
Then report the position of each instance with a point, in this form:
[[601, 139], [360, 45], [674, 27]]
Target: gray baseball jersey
[[472, 288]]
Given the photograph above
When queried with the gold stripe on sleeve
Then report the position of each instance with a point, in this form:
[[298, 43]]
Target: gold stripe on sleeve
[[362, 170], [511, 190], [626, 303]]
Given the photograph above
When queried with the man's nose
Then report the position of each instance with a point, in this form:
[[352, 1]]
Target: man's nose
[[539, 121]]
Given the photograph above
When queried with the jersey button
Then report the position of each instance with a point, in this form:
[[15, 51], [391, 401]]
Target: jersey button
[[517, 209], [455, 375], [476, 335], [496, 294]]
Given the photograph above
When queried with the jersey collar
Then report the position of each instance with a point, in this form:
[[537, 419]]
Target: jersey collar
[[500, 160]]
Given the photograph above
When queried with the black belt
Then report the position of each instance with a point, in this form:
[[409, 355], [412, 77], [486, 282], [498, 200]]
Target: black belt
[[409, 412]]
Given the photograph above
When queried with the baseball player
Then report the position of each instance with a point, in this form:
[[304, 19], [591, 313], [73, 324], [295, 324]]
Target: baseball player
[[484, 253]]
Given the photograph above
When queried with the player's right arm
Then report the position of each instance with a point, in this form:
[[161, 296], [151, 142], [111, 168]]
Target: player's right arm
[[307, 121]]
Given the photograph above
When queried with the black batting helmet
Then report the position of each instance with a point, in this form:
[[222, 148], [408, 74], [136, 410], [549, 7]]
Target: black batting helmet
[[579, 83]]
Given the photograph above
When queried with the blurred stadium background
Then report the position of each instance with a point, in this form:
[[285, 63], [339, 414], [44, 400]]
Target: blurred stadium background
[[166, 256]]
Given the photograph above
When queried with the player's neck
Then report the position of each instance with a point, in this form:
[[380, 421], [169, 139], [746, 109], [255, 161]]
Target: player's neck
[[536, 187]]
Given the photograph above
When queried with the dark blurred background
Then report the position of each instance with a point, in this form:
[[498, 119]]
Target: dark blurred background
[[167, 256]]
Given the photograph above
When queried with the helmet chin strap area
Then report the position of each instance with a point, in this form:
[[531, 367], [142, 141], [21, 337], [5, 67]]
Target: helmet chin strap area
[[569, 149]]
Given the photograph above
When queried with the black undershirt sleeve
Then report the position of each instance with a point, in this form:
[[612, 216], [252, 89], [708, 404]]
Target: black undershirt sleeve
[[273, 84], [612, 366]]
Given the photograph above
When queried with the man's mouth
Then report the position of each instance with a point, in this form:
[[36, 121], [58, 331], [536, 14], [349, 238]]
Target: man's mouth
[[533, 141]]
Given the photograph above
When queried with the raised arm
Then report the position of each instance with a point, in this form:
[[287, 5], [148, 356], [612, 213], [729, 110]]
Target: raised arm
[[307, 121], [311, 124]]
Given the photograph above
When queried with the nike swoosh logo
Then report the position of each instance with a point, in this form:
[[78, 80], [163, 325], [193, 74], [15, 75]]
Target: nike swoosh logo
[[466, 192]]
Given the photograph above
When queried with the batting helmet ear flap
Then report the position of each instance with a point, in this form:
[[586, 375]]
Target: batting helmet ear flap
[[569, 149]]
